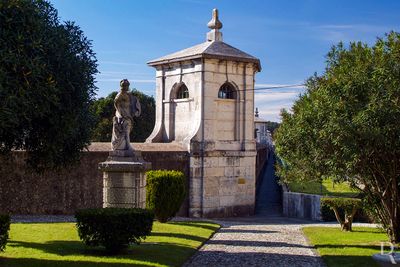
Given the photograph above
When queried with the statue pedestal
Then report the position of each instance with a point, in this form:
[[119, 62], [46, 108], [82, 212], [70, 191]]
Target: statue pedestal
[[387, 260], [124, 180]]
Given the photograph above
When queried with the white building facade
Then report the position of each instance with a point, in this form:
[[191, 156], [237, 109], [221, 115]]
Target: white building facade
[[205, 102], [262, 134]]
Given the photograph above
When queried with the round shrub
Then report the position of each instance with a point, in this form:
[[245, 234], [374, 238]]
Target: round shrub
[[348, 205], [328, 215], [165, 192], [4, 228], [113, 228]]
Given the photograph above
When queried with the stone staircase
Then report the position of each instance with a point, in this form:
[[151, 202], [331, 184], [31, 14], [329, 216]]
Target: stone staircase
[[269, 194]]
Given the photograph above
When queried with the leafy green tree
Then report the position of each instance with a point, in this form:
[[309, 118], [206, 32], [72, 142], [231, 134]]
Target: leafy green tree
[[272, 126], [105, 111], [46, 84], [346, 126]]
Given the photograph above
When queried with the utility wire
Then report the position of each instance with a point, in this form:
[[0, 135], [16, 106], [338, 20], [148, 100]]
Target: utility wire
[[272, 87]]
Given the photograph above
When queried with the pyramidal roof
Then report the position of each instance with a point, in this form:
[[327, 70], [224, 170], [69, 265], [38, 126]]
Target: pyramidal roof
[[214, 48]]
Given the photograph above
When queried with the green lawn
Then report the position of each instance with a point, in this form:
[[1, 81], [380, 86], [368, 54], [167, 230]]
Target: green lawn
[[58, 244], [328, 188], [346, 249]]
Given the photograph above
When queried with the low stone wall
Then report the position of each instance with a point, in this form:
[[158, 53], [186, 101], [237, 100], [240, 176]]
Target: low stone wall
[[23, 191], [299, 205]]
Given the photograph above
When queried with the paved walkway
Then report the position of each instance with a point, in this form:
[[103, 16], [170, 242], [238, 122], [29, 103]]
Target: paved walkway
[[269, 193], [257, 241]]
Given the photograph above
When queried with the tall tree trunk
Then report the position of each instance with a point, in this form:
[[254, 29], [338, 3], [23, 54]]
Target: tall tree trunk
[[395, 218], [348, 220]]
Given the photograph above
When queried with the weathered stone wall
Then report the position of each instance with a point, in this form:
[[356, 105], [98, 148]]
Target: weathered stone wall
[[227, 186], [23, 191], [299, 205]]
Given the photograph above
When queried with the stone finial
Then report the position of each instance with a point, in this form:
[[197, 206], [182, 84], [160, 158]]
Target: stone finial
[[214, 25], [214, 22]]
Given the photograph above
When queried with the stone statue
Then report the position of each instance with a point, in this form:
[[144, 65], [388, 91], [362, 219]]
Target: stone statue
[[127, 106]]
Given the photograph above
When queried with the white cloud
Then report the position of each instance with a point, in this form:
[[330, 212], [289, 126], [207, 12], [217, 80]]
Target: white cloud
[[275, 96], [270, 103], [280, 85], [354, 27], [350, 32]]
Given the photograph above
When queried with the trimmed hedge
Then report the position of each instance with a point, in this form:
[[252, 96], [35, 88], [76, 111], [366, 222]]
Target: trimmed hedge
[[339, 205], [4, 229], [113, 228], [328, 215], [165, 192]]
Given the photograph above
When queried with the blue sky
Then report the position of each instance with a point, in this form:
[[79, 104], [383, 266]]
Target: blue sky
[[291, 38]]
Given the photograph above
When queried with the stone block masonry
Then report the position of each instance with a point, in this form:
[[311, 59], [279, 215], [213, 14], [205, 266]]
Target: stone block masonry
[[228, 187], [81, 186], [23, 191], [299, 205]]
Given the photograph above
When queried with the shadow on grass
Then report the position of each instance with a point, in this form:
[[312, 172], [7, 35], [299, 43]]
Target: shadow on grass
[[153, 253], [367, 230], [349, 261], [375, 247], [31, 262]]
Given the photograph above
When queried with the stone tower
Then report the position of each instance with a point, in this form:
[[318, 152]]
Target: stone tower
[[205, 101]]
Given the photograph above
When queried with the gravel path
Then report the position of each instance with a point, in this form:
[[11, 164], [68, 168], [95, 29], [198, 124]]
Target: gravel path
[[261, 241], [258, 241]]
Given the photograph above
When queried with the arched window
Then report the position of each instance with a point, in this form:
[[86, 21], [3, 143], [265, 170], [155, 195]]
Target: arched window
[[227, 91], [183, 92]]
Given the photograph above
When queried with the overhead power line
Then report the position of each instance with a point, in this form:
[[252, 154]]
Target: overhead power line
[[273, 87]]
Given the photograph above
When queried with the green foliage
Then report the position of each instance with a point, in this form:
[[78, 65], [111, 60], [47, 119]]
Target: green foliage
[[4, 228], [113, 228], [348, 205], [46, 84], [105, 111], [346, 127], [165, 192], [328, 215], [272, 126]]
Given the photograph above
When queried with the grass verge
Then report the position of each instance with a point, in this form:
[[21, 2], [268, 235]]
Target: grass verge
[[58, 244], [328, 188], [346, 249]]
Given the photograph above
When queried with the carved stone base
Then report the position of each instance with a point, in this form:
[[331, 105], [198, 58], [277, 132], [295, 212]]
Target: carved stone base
[[125, 156], [124, 181], [387, 260]]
